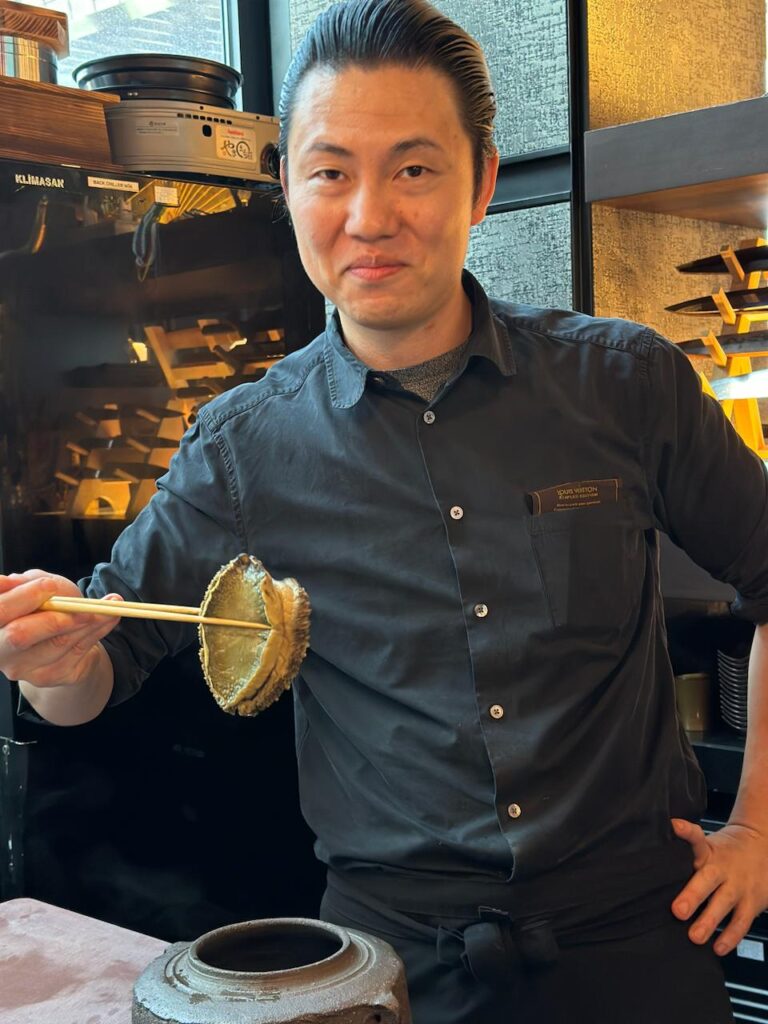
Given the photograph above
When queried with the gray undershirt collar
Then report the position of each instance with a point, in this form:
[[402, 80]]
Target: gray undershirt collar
[[426, 379]]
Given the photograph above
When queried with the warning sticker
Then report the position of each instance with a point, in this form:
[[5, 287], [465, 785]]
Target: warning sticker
[[167, 195], [238, 144]]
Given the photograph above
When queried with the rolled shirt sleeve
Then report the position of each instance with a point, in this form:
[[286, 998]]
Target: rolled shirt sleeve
[[709, 490]]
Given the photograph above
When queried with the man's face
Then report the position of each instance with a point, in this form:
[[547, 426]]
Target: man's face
[[380, 185]]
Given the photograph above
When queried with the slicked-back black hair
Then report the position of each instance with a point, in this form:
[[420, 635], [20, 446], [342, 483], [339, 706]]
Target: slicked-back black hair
[[410, 33]]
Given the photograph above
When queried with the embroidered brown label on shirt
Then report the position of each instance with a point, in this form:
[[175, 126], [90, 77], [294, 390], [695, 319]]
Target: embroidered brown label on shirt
[[576, 494]]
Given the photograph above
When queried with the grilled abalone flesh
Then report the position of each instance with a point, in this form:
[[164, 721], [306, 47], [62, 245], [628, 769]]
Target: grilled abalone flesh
[[247, 670]]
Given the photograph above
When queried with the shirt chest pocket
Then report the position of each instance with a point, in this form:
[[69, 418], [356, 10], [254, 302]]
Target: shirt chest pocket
[[592, 565]]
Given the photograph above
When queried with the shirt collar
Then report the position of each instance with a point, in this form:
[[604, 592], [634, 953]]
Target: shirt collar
[[489, 340]]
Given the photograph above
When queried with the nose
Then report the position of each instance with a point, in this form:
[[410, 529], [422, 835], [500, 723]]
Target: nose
[[371, 212]]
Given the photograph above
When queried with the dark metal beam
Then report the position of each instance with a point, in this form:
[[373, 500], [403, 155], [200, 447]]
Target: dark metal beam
[[255, 55], [534, 179], [581, 214]]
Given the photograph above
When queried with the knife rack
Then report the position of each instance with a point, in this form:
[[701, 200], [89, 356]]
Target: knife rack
[[744, 413]]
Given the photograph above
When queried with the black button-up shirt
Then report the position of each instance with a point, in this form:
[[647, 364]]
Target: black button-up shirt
[[487, 694]]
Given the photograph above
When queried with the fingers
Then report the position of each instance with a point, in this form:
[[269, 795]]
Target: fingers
[[14, 579], [24, 594], [719, 906], [722, 901], [59, 660], [26, 631], [700, 886], [694, 835], [728, 883], [77, 641], [736, 929], [45, 647]]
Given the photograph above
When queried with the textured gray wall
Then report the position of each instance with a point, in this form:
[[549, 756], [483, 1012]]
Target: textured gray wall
[[526, 47], [525, 255]]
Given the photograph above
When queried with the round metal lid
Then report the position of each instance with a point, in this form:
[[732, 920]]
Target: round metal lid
[[157, 71]]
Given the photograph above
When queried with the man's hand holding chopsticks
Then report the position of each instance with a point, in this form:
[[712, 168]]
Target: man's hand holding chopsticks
[[62, 668]]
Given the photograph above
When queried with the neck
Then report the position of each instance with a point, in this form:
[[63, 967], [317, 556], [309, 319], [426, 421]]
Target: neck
[[407, 346]]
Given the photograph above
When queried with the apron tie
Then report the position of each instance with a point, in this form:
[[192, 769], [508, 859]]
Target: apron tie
[[495, 947]]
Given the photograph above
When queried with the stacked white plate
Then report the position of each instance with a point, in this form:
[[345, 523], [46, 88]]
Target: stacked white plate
[[732, 678]]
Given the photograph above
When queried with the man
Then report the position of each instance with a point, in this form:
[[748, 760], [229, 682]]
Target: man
[[470, 492]]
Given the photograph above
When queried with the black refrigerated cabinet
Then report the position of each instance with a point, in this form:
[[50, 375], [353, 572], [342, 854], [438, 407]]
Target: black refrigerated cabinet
[[125, 303]]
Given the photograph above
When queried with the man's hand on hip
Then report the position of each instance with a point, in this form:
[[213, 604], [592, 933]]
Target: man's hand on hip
[[730, 877]]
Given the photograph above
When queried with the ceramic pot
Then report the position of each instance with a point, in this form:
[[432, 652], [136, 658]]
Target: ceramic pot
[[279, 971]]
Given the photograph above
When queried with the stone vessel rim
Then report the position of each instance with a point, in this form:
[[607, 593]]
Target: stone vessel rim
[[200, 967]]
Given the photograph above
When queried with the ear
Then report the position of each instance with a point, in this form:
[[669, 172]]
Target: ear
[[284, 178], [487, 187]]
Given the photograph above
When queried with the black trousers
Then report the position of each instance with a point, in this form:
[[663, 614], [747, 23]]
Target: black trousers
[[630, 963]]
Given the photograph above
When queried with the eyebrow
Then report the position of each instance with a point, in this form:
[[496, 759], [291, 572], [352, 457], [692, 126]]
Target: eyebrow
[[419, 142], [404, 146]]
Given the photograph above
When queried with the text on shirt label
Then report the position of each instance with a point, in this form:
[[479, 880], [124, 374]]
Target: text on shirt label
[[576, 494]]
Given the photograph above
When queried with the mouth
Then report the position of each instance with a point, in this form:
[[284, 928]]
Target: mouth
[[374, 269]]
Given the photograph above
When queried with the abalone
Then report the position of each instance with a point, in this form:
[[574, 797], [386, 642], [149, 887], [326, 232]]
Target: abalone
[[247, 670]]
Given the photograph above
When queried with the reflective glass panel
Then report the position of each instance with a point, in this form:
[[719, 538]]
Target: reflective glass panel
[[102, 28]]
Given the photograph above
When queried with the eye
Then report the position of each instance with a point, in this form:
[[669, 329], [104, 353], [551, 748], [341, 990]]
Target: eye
[[328, 174], [414, 171]]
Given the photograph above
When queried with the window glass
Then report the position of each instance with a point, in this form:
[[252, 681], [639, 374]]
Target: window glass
[[526, 45], [103, 28], [525, 255]]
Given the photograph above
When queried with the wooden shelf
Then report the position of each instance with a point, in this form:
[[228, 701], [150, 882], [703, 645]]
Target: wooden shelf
[[709, 164], [55, 124]]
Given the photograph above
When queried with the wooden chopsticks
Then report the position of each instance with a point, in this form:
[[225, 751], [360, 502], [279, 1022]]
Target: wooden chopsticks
[[142, 610]]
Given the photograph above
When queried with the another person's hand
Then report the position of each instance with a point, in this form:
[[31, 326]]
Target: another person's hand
[[730, 877], [46, 648]]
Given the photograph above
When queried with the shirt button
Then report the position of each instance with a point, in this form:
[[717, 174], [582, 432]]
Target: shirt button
[[497, 711], [429, 416], [481, 610], [457, 512], [514, 810]]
